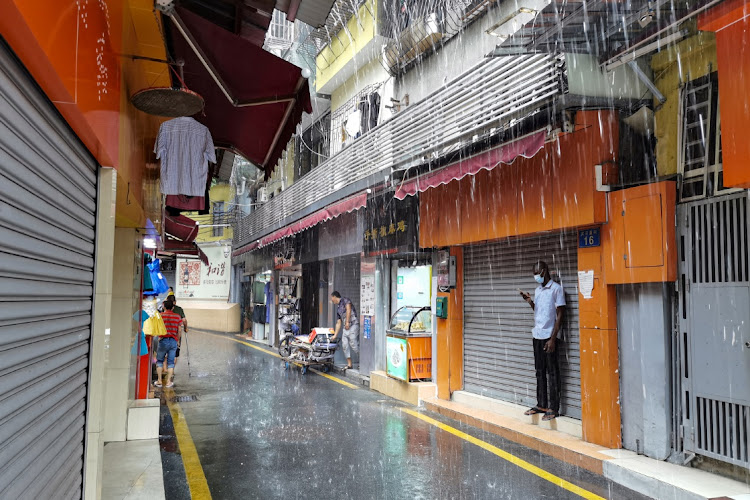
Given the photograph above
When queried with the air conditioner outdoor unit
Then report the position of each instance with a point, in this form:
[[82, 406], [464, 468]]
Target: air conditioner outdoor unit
[[262, 194]]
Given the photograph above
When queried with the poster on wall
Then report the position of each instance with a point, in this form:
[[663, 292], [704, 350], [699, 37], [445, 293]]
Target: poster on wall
[[397, 362], [367, 295], [196, 280]]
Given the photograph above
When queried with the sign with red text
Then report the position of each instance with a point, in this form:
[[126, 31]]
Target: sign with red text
[[195, 280]]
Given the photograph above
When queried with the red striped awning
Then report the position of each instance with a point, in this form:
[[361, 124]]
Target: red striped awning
[[339, 208], [526, 147]]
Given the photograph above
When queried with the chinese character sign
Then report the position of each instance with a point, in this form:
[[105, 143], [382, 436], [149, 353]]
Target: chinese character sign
[[390, 225], [196, 280]]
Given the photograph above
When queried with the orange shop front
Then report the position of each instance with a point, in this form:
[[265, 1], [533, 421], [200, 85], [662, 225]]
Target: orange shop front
[[503, 220]]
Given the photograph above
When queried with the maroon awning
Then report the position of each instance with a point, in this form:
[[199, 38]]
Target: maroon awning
[[526, 147], [339, 208], [178, 247], [269, 93]]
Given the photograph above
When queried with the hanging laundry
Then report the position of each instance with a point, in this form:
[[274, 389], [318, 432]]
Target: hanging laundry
[[184, 147], [268, 291], [353, 124], [374, 105], [157, 278], [176, 204], [150, 305], [154, 326], [139, 347], [148, 286]]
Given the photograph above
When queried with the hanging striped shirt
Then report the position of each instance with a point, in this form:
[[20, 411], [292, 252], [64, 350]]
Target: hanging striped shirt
[[172, 322], [184, 147]]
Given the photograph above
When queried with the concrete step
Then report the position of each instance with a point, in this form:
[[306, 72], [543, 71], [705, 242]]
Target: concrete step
[[352, 374]]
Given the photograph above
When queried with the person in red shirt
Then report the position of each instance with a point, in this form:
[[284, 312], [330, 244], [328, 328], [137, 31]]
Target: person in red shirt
[[168, 344]]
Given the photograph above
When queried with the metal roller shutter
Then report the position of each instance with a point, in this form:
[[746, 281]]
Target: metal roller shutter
[[47, 232], [346, 278], [498, 354]]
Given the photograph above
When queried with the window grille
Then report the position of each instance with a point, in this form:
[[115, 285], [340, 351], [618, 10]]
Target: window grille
[[700, 155], [218, 219]]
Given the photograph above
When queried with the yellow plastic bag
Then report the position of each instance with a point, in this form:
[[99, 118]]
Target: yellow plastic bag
[[154, 326]]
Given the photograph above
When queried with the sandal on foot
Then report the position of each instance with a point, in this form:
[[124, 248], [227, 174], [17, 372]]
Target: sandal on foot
[[533, 411], [170, 385], [157, 384], [550, 415]]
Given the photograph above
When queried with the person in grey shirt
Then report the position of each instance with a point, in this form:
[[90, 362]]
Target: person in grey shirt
[[348, 319], [549, 306]]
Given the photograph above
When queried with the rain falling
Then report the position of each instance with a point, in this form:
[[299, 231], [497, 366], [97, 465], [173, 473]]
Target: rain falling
[[374, 249]]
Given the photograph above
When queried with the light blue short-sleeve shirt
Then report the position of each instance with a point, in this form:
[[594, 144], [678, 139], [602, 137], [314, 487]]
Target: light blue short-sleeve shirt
[[547, 299]]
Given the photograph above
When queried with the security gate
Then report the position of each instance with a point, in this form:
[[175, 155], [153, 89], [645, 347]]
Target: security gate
[[714, 328], [346, 279], [498, 353], [47, 232]]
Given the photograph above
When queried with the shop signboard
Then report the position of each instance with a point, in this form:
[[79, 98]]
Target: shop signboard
[[284, 254], [391, 225], [196, 280], [397, 363]]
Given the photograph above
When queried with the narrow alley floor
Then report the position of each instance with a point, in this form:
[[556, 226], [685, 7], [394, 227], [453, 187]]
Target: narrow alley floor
[[239, 425]]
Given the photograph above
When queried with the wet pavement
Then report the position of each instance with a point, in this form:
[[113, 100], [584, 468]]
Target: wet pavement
[[261, 431]]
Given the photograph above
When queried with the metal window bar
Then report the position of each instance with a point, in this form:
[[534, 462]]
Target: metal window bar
[[280, 34], [217, 212], [486, 97], [340, 115]]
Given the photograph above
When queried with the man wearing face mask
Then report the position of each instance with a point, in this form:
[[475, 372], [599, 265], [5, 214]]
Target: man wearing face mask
[[549, 306]]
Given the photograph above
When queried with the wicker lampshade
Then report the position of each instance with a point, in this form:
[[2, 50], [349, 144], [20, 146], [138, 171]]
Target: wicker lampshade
[[167, 101]]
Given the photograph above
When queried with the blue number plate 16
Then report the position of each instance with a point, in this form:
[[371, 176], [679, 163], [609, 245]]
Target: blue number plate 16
[[588, 238]]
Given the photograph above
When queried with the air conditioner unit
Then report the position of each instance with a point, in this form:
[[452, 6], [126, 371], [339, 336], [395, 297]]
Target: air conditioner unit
[[262, 194]]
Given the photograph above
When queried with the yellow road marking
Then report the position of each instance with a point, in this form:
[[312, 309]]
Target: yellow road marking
[[330, 377], [562, 483], [193, 469], [266, 351], [271, 353]]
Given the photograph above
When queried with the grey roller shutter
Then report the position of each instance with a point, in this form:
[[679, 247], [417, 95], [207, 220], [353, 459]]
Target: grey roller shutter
[[346, 278], [498, 355], [47, 232]]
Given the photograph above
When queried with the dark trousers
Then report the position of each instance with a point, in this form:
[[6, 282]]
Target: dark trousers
[[547, 377]]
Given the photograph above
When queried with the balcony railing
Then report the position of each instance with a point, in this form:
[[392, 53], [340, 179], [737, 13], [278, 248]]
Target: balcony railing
[[486, 97]]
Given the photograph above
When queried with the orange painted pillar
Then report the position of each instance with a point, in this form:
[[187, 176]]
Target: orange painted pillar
[[600, 379], [731, 23], [450, 336]]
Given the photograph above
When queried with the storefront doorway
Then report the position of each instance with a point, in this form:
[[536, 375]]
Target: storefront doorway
[[713, 347], [498, 354], [48, 216], [289, 293]]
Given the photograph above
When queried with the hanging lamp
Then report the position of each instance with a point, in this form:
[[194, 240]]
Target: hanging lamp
[[170, 102]]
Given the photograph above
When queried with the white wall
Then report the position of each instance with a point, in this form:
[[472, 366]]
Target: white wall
[[458, 56], [105, 224], [118, 343]]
